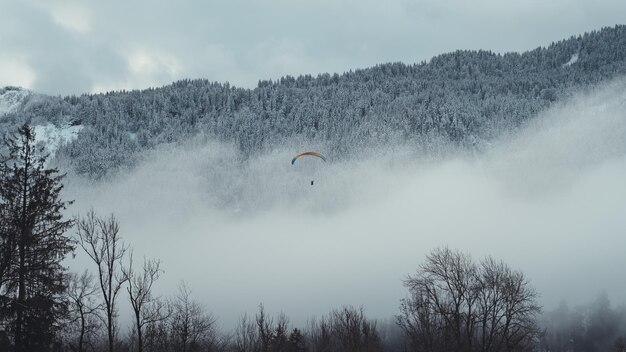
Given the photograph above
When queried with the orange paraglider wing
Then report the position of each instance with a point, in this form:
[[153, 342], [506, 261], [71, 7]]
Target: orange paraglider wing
[[307, 153]]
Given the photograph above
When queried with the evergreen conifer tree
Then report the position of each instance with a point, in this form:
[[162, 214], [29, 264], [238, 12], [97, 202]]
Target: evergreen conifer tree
[[32, 245]]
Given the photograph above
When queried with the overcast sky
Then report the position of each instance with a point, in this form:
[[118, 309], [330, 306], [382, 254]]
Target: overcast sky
[[72, 47]]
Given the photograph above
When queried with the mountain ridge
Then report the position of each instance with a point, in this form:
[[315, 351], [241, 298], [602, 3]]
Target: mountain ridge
[[459, 97]]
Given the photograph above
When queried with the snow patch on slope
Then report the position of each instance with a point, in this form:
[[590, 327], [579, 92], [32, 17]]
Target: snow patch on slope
[[52, 137], [11, 99], [572, 60]]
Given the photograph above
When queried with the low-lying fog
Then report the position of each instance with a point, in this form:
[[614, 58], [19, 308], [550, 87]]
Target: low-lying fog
[[549, 199]]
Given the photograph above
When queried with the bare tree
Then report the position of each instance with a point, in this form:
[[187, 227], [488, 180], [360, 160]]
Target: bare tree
[[84, 308], [157, 337], [147, 309], [507, 308], [246, 336], [353, 331], [191, 326], [458, 305], [100, 239], [272, 337], [265, 327], [319, 334], [345, 329]]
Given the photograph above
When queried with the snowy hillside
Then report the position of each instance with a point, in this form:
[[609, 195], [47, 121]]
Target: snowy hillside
[[11, 99], [572, 60], [460, 99], [53, 137]]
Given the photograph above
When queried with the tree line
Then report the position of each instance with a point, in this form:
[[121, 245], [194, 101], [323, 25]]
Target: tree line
[[453, 302], [463, 98]]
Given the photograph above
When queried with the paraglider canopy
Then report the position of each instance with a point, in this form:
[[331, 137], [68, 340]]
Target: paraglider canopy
[[307, 153], [316, 154]]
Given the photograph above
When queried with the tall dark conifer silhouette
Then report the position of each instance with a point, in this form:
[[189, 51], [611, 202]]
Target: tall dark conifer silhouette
[[33, 244]]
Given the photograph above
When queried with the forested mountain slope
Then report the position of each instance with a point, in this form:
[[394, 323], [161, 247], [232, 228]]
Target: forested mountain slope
[[463, 97]]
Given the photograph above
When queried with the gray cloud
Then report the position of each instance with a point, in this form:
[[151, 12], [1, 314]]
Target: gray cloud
[[68, 46], [548, 200]]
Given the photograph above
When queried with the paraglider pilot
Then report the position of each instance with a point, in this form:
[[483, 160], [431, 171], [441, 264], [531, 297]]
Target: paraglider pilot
[[308, 153]]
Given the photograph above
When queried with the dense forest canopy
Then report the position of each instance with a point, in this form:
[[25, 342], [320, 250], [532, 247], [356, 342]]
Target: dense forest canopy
[[464, 97]]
